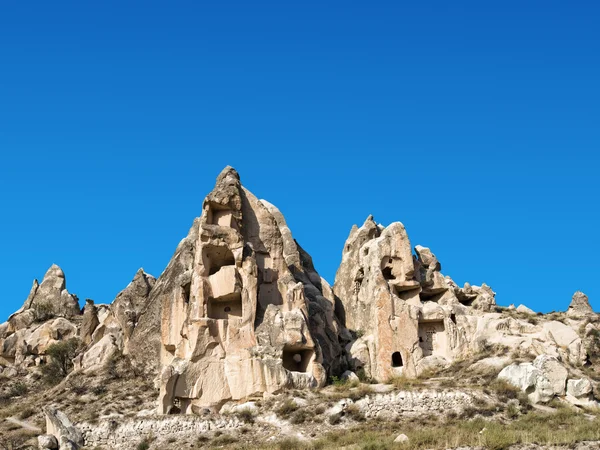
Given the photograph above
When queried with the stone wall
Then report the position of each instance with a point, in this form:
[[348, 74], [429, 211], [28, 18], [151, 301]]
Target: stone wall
[[395, 404], [126, 433]]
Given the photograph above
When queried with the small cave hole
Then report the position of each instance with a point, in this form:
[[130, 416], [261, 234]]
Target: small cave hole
[[226, 308], [397, 360], [186, 290], [176, 408], [296, 360], [453, 318]]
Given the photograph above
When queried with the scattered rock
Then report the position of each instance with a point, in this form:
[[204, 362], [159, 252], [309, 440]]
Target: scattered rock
[[401, 438]]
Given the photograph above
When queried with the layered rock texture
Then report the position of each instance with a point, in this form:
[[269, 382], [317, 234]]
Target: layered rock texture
[[243, 311], [240, 312], [406, 316]]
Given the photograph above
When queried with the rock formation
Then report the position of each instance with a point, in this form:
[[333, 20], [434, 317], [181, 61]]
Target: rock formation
[[243, 311], [407, 317], [44, 318], [580, 306]]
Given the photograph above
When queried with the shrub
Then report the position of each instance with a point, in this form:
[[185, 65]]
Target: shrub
[[222, 440], [26, 413], [18, 389], [43, 312], [290, 443], [245, 415], [99, 390], [144, 444], [77, 385], [353, 412], [287, 408], [62, 354], [300, 416]]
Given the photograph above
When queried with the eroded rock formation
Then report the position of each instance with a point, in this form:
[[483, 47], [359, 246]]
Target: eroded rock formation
[[240, 311], [406, 316], [243, 311]]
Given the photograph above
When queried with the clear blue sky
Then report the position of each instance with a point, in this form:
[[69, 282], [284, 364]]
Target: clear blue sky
[[476, 124]]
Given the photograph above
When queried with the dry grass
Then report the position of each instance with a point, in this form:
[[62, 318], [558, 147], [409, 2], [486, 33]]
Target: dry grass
[[565, 427]]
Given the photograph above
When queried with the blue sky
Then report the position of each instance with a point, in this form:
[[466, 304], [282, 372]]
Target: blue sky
[[476, 124]]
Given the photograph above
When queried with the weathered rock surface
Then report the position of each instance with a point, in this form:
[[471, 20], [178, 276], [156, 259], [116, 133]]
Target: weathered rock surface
[[580, 306], [546, 378], [59, 426], [242, 310], [407, 317]]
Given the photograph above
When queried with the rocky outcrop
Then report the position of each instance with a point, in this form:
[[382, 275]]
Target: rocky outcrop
[[58, 425], [46, 317], [242, 310], [580, 306], [115, 326], [406, 316], [131, 303], [90, 321], [546, 378]]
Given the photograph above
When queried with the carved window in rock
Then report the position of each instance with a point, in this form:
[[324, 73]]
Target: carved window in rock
[[226, 308], [216, 256], [186, 292], [431, 337], [220, 215], [397, 360], [176, 408], [296, 360], [268, 290]]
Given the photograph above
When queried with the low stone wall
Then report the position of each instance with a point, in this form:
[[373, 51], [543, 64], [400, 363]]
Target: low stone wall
[[401, 403], [126, 433]]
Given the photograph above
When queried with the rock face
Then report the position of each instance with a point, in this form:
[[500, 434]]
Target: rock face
[[406, 316], [546, 378], [131, 303], [580, 306], [242, 310], [46, 317], [111, 331]]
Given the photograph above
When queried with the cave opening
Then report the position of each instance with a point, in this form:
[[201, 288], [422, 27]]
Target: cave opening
[[214, 257], [397, 360], [297, 360], [226, 307]]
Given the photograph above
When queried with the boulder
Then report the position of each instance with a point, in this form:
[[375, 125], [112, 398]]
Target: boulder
[[59, 426], [47, 441], [401, 438], [528, 379], [554, 372], [349, 376], [581, 388]]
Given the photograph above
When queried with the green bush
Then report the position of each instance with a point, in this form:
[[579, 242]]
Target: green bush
[[60, 363]]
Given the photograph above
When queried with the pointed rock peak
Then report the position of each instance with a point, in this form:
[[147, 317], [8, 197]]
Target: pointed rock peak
[[54, 272], [426, 256], [228, 175], [580, 305], [369, 220]]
